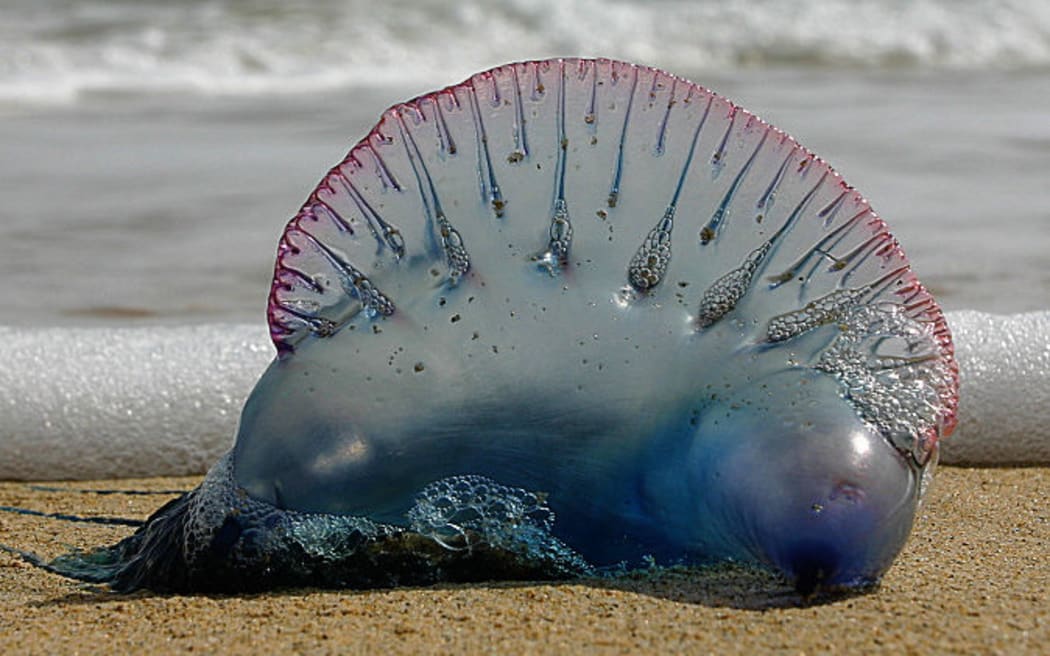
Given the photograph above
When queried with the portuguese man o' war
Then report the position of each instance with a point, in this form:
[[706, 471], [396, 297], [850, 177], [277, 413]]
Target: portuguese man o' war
[[565, 317]]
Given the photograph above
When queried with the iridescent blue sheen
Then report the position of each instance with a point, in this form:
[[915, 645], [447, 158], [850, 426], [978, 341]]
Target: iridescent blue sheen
[[565, 316]]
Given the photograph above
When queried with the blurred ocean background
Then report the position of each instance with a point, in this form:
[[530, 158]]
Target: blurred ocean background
[[152, 150]]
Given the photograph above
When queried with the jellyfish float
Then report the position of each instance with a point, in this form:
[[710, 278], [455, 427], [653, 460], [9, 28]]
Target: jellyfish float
[[567, 317]]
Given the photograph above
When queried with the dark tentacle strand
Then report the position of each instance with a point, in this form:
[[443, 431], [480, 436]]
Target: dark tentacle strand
[[215, 538]]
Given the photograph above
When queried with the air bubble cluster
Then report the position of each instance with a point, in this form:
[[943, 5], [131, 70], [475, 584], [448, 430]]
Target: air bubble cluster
[[722, 296], [649, 265], [455, 252], [465, 512], [560, 234], [893, 372], [819, 312], [374, 301]]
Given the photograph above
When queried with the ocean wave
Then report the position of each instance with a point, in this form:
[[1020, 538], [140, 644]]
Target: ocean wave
[[63, 50]]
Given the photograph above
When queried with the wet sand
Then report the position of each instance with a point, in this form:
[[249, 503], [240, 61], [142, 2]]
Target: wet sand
[[973, 579]]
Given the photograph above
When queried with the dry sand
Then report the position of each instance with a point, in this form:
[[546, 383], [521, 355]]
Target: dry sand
[[973, 579]]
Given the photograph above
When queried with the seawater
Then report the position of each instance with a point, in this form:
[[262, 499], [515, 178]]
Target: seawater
[[151, 152]]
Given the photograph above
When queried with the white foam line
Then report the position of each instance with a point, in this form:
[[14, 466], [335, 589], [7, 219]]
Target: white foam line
[[79, 403], [1004, 390]]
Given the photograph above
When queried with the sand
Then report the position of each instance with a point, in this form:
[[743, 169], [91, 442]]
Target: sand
[[973, 579]]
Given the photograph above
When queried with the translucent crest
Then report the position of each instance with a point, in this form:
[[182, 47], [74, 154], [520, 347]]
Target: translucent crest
[[599, 181]]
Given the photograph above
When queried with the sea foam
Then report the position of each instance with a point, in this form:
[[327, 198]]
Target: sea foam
[[123, 402], [79, 403], [1004, 388]]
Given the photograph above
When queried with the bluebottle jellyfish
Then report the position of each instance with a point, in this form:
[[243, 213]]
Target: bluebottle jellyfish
[[566, 317]]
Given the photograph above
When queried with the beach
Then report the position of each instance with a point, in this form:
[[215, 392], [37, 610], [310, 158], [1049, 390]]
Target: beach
[[972, 580], [151, 154]]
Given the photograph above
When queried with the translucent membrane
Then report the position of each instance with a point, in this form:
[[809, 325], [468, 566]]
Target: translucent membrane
[[529, 193], [567, 315], [605, 285]]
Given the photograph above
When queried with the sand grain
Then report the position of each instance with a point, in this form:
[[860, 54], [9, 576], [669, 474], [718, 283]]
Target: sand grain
[[973, 579]]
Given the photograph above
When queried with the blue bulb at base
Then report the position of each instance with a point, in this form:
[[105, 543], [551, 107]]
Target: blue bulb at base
[[809, 489]]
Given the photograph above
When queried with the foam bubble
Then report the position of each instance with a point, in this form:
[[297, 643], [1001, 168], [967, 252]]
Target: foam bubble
[[1004, 388], [83, 403], [122, 402]]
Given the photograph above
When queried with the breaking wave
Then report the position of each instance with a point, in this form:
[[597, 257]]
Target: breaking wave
[[65, 50]]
